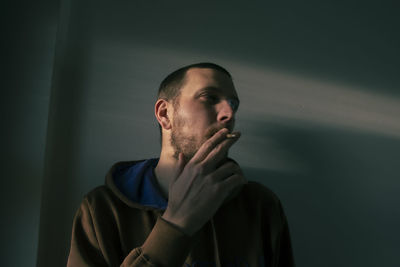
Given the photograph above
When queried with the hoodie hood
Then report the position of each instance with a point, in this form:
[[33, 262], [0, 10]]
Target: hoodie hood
[[134, 182]]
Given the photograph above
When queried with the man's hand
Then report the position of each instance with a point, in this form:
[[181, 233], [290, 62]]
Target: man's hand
[[202, 185]]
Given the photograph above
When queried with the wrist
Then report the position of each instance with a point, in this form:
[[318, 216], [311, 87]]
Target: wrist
[[181, 226]]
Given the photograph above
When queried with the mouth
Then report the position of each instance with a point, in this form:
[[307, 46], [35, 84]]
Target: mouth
[[213, 131]]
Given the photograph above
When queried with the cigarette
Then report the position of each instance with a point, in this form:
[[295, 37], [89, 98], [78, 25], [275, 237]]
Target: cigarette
[[232, 135]]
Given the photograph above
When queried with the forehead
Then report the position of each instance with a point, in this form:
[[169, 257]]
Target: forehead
[[197, 79]]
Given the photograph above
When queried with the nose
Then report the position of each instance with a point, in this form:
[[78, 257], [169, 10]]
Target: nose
[[225, 112]]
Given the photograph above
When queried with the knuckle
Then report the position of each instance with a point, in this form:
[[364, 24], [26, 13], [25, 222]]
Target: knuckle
[[209, 144], [219, 147], [231, 165], [200, 168], [218, 188], [189, 166], [209, 180]]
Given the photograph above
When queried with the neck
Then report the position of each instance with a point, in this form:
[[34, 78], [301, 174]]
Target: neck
[[166, 170]]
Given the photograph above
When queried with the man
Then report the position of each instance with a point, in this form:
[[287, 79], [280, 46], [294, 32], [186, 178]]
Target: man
[[192, 206]]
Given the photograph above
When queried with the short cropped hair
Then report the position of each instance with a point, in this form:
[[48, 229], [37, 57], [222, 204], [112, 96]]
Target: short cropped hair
[[170, 87]]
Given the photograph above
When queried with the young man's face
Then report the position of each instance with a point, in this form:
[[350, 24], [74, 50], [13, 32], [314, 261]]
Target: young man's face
[[207, 103]]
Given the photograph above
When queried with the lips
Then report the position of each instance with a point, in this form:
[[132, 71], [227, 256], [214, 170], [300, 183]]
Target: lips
[[211, 132]]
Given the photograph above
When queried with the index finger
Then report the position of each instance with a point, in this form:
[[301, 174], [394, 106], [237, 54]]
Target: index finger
[[219, 152], [209, 145]]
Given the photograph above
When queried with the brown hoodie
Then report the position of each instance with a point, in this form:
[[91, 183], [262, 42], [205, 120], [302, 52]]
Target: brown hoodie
[[111, 230]]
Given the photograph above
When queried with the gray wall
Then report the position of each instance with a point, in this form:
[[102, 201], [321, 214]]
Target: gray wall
[[27, 44], [319, 114]]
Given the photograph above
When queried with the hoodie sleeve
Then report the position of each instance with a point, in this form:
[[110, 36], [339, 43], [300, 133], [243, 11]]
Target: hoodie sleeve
[[165, 245], [284, 253]]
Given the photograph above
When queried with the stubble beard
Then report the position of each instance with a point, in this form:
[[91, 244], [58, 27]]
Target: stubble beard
[[187, 144]]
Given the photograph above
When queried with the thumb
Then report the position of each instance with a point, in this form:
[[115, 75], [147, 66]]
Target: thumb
[[181, 164], [179, 167]]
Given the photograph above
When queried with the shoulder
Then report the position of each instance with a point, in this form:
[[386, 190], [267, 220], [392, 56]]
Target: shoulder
[[260, 198], [100, 193], [259, 193], [101, 199], [266, 204]]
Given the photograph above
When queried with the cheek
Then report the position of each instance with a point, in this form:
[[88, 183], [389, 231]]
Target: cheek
[[202, 119], [198, 116], [197, 112]]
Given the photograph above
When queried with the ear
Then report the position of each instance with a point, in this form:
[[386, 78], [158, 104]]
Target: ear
[[161, 113]]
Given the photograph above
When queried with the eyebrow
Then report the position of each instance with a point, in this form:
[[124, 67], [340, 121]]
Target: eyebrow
[[213, 88]]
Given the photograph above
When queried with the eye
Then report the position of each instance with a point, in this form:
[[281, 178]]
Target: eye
[[210, 98], [234, 104]]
